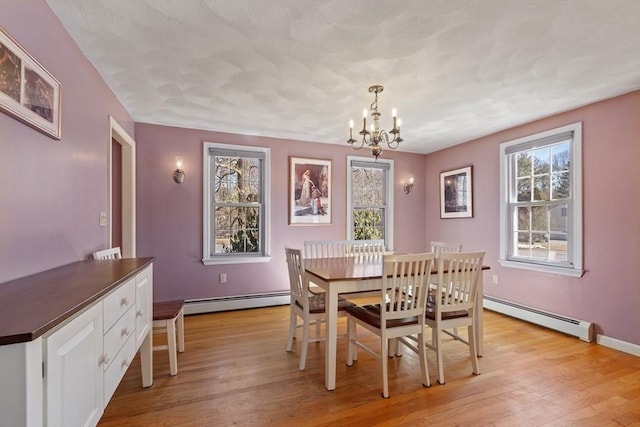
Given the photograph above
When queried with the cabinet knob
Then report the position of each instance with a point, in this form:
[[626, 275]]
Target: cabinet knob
[[139, 313], [124, 364], [104, 360], [124, 301], [125, 332]]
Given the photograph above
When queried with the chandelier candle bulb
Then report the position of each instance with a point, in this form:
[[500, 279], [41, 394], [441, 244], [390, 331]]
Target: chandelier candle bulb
[[350, 130]]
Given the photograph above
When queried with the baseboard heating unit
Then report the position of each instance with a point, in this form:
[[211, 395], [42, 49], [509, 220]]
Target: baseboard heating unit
[[578, 328], [210, 305]]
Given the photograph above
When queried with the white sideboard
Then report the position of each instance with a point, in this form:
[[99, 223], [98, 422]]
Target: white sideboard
[[63, 371]]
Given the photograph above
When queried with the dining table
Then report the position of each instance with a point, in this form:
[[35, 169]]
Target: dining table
[[346, 275]]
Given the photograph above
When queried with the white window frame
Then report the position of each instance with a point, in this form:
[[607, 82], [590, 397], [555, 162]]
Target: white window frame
[[390, 201], [209, 259], [575, 249]]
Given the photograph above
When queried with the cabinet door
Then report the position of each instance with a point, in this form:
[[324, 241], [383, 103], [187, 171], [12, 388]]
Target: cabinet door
[[144, 304], [74, 378]]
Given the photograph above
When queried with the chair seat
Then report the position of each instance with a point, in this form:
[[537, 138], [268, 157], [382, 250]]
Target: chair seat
[[167, 309], [430, 313], [317, 303], [371, 314]]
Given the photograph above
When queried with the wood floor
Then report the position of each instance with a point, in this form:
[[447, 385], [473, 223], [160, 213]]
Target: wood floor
[[235, 372]]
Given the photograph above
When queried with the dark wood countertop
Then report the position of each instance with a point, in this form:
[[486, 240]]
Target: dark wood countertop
[[33, 305]]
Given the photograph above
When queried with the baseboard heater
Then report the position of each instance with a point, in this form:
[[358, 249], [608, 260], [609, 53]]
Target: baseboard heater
[[578, 328], [210, 305]]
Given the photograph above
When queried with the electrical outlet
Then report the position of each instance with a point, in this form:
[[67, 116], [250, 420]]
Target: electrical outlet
[[102, 219], [222, 278], [495, 279]]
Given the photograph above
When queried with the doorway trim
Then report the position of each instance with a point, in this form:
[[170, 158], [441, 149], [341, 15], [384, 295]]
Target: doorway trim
[[118, 134]]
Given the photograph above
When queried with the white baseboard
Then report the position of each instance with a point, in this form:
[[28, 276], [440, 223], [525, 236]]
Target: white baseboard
[[616, 344], [211, 305]]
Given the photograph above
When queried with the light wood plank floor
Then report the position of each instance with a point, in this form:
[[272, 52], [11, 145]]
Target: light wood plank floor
[[235, 372]]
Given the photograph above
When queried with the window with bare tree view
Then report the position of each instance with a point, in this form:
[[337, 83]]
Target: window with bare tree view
[[542, 221], [235, 202], [369, 200]]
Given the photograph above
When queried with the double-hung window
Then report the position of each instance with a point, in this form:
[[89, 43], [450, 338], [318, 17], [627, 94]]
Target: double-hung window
[[541, 202], [236, 210], [370, 199]]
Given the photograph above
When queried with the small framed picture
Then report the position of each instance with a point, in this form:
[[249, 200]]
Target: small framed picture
[[456, 198], [27, 91], [309, 191]]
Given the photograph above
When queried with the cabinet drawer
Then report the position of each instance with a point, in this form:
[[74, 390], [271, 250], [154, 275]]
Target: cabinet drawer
[[118, 367], [118, 302], [115, 337]]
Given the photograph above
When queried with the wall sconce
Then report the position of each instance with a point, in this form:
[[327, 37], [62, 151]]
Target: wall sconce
[[408, 186], [178, 174]]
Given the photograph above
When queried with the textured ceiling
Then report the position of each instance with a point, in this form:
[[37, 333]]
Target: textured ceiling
[[300, 69]]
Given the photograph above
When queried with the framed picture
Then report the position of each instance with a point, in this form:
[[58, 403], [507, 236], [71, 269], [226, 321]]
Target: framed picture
[[309, 191], [27, 91], [456, 198]]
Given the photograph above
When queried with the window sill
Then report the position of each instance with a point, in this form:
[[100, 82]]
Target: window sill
[[236, 260], [542, 268]]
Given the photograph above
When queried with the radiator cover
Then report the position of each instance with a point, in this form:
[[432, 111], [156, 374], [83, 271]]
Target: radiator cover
[[578, 328]]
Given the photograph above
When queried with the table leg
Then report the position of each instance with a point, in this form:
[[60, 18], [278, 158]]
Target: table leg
[[331, 313], [479, 317]]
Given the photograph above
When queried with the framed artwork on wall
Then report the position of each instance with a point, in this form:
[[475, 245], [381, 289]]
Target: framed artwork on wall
[[456, 198], [309, 191], [27, 91]]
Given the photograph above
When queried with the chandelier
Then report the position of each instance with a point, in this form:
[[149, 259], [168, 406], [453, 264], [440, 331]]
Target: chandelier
[[375, 137]]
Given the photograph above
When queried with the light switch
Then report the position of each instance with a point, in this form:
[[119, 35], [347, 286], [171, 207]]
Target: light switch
[[103, 219]]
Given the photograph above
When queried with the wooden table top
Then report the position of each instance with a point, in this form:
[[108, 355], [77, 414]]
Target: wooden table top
[[33, 305], [351, 268], [345, 268]]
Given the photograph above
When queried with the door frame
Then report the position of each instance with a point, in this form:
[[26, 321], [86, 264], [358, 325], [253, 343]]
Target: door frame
[[118, 134]]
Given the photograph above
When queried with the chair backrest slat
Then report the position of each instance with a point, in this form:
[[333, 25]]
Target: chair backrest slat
[[298, 281], [405, 279], [342, 248], [439, 247], [458, 276], [112, 253]]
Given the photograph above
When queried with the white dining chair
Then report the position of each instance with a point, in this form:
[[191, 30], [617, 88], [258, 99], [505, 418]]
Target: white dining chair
[[399, 314], [452, 303], [305, 305], [440, 247], [325, 248], [111, 253], [168, 317], [365, 247]]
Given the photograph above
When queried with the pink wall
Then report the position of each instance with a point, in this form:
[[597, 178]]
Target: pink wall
[[170, 215], [51, 192], [609, 292]]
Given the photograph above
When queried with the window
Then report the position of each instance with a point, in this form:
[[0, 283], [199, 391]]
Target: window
[[236, 210], [541, 203], [370, 199]]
